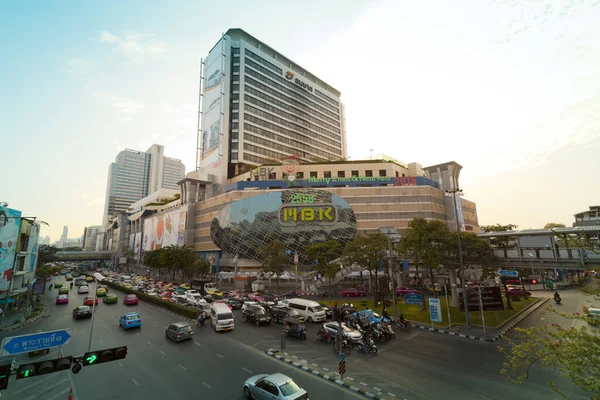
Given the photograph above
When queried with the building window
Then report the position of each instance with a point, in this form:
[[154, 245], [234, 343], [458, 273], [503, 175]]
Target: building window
[[368, 173], [403, 175], [313, 174], [397, 174], [299, 175], [234, 146], [235, 125], [327, 174], [236, 87], [341, 174], [382, 172], [235, 68], [235, 50], [235, 96], [355, 174]]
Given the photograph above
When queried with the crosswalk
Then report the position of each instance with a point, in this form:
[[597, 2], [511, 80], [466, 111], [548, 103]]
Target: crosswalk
[[49, 387]]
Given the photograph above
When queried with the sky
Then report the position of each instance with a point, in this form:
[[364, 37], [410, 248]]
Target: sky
[[508, 89]]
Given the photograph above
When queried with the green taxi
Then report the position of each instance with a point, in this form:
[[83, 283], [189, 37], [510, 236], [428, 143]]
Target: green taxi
[[100, 292], [110, 298], [63, 290], [58, 285]]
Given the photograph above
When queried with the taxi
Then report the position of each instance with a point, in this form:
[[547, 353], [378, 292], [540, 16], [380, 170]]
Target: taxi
[[130, 320], [185, 286], [63, 290], [110, 298], [89, 279], [69, 278], [62, 299], [89, 301], [58, 285], [100, 292], [127, 286], [216, 292]]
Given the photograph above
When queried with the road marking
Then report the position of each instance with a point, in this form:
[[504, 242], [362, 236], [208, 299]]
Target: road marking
[[135, 382], [149, 343], [182, 367], [137, 334], [61, 394], [207, 385], [218, 355], [247, 370], [39, 382], [197, 344], [120, 363], [101, 341], [163, 353]]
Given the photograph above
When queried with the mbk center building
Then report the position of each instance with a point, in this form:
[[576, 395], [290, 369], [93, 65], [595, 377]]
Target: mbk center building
[[272, 164]]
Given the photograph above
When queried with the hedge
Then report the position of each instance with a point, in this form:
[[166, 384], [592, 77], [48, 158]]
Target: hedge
[[179, 309]]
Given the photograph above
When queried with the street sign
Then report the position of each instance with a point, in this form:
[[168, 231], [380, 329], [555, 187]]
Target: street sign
[[508, 272], [413, 298], [342, 357], [435, 310], [36, 341]]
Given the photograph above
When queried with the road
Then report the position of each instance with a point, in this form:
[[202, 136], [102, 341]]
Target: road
[[212, 366]]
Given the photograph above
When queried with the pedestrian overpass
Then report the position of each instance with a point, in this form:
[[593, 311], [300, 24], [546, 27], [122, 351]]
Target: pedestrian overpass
[[575, 248], [83, 255]]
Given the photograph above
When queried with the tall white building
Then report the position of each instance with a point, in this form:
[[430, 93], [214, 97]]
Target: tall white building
[[136, 174], [90, 235], [258, 106]]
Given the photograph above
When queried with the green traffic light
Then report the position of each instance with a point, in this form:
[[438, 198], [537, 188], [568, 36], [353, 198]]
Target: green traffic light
[[26, 373], [91, 358]]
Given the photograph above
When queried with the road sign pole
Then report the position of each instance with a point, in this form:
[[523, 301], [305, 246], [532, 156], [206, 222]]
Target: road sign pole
[[481, 308], [93, 314], [448, 305]]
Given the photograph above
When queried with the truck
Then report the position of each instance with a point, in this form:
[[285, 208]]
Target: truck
[[203, 285]]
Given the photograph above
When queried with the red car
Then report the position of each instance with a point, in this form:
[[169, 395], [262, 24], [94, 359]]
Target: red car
[[518, 293], [89, 301], [352, 292], [402, 290], [130, 299]]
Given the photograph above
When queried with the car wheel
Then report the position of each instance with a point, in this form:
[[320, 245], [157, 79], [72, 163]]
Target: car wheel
[[247, 392], [310, 320], [257, 323], [244, 318]]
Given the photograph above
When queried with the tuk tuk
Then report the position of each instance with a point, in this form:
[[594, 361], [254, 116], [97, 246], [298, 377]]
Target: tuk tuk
[[294, 327]]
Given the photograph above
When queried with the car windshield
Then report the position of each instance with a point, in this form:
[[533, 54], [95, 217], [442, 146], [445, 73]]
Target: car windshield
[[84, 308], [224, 316], [260, 311], [318, 308], [216, 296], [185, 329], [289, 388], [131, 297]]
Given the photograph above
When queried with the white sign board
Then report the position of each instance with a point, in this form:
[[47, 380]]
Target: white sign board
[[435, 310]]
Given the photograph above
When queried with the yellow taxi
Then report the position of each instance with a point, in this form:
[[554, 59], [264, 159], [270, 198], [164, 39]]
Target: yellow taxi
[[185, 286], [69, 278], [89, 279], [100, 292], [127, 286], [214, 291]]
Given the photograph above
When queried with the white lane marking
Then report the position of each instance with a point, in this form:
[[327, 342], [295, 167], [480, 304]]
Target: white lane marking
[[39, 382], [135, 382], [182, 367], [247, 370], [206, 384], [163, 353], [218, 355], [197, 344], [149, 343], [137, 334], [59, 395], [120, 364]]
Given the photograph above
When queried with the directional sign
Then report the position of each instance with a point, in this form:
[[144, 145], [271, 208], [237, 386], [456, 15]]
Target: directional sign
[[413, 298], [36, 341], [91, 358], [508, 272], [342, 357]]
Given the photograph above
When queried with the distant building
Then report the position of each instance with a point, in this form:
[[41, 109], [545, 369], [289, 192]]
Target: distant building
[[590, 217], [63, 237], [45, 240], [90, 235], [136, 174]]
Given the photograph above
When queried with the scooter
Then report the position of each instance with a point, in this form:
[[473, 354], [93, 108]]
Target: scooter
[[325, 335], [557, 299], [367, 345]]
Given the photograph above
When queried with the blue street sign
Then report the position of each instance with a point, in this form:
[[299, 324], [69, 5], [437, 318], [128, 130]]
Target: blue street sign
[[508, 272], [36, 341], [413, 298], [342, 357]]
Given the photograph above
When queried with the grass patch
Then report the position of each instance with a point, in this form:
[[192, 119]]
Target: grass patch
[[414, 312]]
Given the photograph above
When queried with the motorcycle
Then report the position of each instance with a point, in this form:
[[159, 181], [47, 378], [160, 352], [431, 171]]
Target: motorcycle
[[403, 324], [367, 345], [325, 336], [379, 334], [346, 346], [557, 299], [388, 331]]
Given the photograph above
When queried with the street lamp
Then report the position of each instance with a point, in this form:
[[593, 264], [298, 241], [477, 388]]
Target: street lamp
[[453, 193], [532, 271]]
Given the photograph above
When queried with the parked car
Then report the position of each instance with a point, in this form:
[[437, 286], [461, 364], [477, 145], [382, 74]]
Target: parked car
[[130, 299], [276, 386], [62, 299], [256, 315], [353, 292], [234, 303], [278, 314], [179, 331], [130, 320], [517, 293], [402, 290], [82, 312]]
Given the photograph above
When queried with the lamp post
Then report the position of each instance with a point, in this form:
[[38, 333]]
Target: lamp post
[[453, 193], [531, 264]]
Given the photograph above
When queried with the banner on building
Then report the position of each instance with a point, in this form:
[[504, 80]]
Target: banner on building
[[131, 241], [110, 242], [138, 246], [212, 138], [32, 248], [164, 230], [10, 223]]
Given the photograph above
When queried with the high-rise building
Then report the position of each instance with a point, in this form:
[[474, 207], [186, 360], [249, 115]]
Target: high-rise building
[[258, 106], [136, 174], [63, 237], [90, 235]]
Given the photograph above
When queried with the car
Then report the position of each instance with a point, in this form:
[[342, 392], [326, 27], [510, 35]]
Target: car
[[63, 290], [89, 279], [110, 298], [179, 331], [100, 292], [328, 310], [82, 312], [130, 320], [130, 299], [127, 286], [89, 301], [348, 332], [235, 304], [516, 293], [353, 292], [58, 285], [223, 302], [247, 304], [275, 386], [69, 278], [256, 315], [83, 290], [402, 290], [104, 287], [62, 299], [185, 286], [278, 314]]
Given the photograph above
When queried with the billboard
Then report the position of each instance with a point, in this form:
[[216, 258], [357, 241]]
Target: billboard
[[459, 211], [212, 138], [491, 299], [32, 248], [131, 241], [164, 230], [137, 250], [10, 222]]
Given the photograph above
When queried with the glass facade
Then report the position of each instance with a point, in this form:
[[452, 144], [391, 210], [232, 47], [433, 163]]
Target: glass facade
[[297, 218]]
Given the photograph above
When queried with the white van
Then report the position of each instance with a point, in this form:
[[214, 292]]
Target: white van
[[221, 317], [310, 310]]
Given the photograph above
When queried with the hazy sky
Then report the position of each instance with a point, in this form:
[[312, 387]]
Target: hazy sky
[[508, 89]]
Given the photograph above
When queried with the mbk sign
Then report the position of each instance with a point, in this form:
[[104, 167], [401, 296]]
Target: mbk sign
[[290, 76], [262, 172]]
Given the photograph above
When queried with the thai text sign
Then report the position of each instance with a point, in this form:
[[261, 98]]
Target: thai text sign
[[491, 298], [435, 310], [390, 180]]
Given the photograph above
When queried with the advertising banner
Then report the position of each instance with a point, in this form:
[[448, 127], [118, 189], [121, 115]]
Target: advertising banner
[[435, 310], [32, 248], [137, 250], [110, 244], [491, 298], [10, 222], [459, 211], [164, 230], [131, 241], [212, 138]]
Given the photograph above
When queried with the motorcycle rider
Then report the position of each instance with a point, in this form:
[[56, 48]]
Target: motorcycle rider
[[385, 313], [557, 297]]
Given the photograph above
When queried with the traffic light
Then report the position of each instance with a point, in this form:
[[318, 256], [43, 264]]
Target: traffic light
[[102, 356], [44, 367], [4, 376]]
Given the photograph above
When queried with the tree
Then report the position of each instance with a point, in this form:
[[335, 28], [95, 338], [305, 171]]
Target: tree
[[201, 265], [501, 242], [47, 253], [368, 250], [47, 270], [274, 258], [573, 352], [129, 255], [551, 225], [152, 260], [324, 255]]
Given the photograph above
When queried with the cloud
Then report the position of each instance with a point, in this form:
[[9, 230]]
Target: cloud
[[135, 47]]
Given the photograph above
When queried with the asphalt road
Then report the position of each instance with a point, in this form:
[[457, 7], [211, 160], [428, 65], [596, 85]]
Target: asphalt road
[[212, 366]]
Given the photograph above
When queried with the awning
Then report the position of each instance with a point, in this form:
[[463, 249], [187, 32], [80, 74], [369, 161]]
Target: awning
[[9, 300], [135, 216]]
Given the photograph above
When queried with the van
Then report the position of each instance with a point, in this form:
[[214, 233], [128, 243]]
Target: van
[[310, 310], [221, 317], [594, 313]]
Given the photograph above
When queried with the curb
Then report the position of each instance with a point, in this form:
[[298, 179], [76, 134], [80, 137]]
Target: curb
[[349, 383], [27, 322], [517, 321]]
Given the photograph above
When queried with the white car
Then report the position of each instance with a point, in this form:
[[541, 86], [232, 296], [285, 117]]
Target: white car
[[83, 290], [192, 292], [194, 299], [251, 304]]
